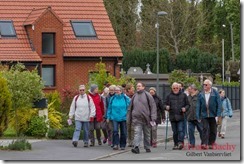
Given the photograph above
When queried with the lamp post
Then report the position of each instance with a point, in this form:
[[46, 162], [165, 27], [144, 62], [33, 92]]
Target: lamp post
[[232, 44], [160, 13], [223, 58]]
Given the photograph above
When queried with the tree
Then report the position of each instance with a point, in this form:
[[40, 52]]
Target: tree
[[25, 87], [5, 105], [124, 18], [101, 76], [206, 33], [181, 76]]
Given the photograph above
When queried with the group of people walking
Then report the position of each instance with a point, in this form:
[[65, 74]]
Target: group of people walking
[[127, 117]]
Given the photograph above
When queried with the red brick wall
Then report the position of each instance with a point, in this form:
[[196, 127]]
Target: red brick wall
[[50, 23], [77, 72], [68, 73]]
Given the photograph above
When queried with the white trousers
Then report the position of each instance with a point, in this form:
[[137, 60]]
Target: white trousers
[[222, 127]]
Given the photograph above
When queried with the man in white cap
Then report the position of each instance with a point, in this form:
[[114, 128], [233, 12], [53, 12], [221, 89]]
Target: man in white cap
[[83, 108]]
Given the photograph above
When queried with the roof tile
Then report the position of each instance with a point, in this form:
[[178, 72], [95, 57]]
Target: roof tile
[[27, 12]]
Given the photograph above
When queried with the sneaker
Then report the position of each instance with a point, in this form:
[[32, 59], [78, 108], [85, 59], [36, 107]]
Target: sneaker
[[122, 148], [86, 144], [222, 136], [204, 147], [180, 146], [75, 143], [92, 143], [175, 147], [210, 146], [99, 142], [148, 150], [191, 146], [135, 150], [104, 140], [116, 147]]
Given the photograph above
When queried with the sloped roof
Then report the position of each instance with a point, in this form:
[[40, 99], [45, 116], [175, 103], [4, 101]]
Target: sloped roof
[[21, 12], [37, 13]]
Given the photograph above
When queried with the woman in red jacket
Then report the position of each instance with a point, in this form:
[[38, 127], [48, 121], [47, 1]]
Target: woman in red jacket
[[95, 124]]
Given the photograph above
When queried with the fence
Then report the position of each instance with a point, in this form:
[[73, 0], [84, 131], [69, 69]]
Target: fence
[[233, 93]]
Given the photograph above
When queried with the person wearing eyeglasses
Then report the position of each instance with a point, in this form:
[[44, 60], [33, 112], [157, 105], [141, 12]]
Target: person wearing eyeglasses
[[208, 107], [117, 111], [177, 104], [83, 108]]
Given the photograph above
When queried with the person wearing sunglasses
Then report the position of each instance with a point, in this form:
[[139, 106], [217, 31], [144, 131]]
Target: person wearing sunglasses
[[83, 108], [177, 104], [208, 107]]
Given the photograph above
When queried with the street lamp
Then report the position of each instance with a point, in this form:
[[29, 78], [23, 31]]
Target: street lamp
[[160, 13], [232, 44], [223, 58]]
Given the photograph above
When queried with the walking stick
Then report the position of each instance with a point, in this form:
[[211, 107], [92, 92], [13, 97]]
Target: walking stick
[[166, 139]]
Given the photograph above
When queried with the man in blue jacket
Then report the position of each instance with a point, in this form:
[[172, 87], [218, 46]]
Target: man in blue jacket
[[208, 107]]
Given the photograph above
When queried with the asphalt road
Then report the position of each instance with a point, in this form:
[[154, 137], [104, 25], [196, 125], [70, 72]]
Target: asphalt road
[[62, 150]]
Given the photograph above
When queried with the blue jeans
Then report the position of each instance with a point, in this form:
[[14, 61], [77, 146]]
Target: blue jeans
[[78, 126], [191, 130], [178, 131], [121, 125]]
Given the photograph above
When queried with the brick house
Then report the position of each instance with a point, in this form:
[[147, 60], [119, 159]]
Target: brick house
[[63, 39]]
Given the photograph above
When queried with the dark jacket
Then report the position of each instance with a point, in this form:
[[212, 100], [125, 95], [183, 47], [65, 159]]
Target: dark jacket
[[176, 102], [160, 109], [214, 105], [191, 113]]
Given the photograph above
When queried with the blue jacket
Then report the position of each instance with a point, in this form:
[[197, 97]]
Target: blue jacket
[[117, 108], [226, 107], [214, 107]]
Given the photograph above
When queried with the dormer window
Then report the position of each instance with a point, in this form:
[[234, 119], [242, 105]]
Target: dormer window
[[83, 29], [7, 29]]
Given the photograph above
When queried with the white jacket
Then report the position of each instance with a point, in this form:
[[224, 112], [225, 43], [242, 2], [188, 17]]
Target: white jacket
[[83, 110]]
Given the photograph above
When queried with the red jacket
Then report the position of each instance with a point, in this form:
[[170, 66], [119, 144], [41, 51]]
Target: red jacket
[[97, 99]]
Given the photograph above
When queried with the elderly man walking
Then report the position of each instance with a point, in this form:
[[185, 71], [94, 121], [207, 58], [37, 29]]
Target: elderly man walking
[[143, 114], [208, 107], [177, 104]]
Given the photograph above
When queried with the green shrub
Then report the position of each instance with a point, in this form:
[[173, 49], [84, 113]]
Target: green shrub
[[64, 133], [19, 144], [9, 132], [5, 104], [37, 127], [51, 133]]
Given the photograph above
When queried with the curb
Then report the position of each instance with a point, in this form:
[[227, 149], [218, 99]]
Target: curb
[[124, 151]]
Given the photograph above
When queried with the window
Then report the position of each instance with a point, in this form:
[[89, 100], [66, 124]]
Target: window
[[7, 29], [83, 29], [48, 75], [48, 43]]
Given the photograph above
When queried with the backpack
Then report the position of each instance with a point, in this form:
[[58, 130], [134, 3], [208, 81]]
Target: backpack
[[88, 98]]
